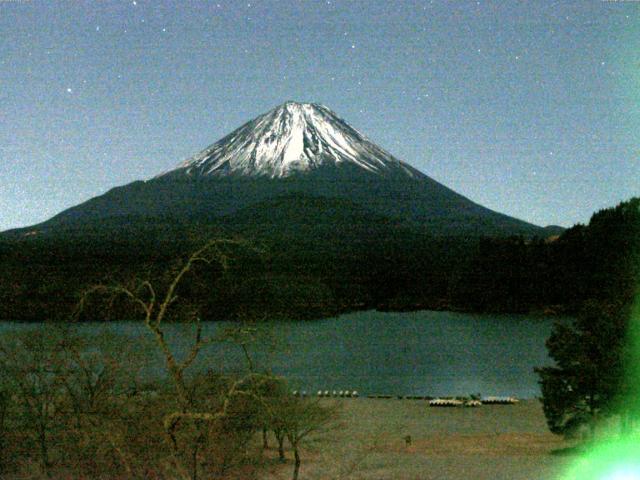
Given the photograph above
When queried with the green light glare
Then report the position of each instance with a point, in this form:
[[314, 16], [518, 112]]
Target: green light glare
[[632, 357], [624, 474], [613, 460]]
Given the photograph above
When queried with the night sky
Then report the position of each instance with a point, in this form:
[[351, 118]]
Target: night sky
[[529, 108]]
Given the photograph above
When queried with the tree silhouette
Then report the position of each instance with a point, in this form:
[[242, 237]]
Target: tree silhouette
[[587, 380]]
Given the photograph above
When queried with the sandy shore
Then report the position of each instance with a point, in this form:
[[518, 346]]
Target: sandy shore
[[509, 442]]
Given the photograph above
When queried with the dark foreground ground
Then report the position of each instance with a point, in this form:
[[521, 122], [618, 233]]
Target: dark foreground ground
[[488, 442]]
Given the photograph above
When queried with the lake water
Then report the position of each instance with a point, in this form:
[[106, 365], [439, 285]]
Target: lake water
[[417, 353]]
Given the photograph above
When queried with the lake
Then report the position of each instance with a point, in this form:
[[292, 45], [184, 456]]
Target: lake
[[416, 353]]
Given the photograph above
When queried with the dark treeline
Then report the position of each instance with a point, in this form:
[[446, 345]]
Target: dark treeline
[[594, 379], [599, 262], [322, 269]]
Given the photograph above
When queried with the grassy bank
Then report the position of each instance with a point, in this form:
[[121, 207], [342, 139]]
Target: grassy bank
[[488, 442]]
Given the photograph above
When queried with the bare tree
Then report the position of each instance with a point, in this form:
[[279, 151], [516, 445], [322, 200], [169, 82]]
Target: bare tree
[[4, 407], [301, 419], [273, 393], [296, 419], [32, 365], [155, 304], [98, 388], [249, 334]]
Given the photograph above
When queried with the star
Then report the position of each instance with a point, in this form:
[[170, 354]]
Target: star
[[98, 28], [69, 90], [353, 46], [134, 3]]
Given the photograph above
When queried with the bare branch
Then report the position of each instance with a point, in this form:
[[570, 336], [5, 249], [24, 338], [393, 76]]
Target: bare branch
[[198, 344], [155, 306], [115, 290]]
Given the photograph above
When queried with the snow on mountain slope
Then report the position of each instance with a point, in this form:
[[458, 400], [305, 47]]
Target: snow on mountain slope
[[291, 138]]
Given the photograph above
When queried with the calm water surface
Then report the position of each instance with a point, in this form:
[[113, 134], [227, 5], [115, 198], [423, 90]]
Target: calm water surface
[[417, 353]]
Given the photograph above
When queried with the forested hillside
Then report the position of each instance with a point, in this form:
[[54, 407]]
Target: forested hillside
[[298, 269]]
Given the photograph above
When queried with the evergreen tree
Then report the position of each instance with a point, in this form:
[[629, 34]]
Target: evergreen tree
[[588, 379]]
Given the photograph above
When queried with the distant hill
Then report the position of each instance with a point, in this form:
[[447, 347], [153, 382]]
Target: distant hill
[[553, 230]]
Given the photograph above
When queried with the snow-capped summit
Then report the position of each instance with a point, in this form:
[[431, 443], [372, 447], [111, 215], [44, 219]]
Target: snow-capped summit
[[292, 138]]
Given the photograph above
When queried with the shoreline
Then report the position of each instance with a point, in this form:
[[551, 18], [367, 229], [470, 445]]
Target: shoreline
[[387, 439]]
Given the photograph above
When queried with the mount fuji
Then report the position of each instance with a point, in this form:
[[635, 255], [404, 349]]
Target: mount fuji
[[298, 165]]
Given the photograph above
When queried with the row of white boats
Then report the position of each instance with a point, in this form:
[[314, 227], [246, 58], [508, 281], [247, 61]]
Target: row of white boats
[[456, 401], [433, 402], [329, 393], [471, 402]]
